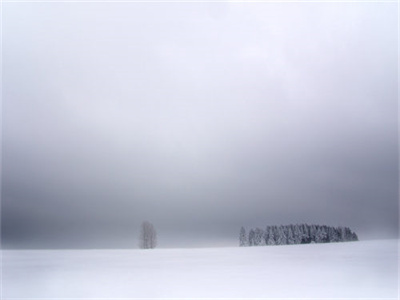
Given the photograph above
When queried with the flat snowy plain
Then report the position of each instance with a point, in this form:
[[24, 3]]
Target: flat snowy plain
[[365, 269]]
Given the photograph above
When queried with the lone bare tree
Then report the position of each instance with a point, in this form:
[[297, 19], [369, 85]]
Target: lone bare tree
[[148, 236]]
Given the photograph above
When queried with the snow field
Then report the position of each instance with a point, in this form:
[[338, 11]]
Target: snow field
[[365, 269]]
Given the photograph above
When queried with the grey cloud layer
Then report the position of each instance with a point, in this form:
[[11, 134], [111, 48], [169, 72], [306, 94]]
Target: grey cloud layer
[[198, 117]]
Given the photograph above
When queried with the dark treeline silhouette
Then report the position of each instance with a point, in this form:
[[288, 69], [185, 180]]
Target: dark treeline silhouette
[[295, 234]]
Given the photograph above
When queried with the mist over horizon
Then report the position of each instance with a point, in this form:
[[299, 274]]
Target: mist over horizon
[[198, 117]]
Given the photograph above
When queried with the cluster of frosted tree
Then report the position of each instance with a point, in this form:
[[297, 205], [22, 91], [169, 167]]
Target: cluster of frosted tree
[[295, 234]]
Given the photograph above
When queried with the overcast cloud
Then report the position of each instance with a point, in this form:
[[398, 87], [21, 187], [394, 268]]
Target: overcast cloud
[[199, 117]]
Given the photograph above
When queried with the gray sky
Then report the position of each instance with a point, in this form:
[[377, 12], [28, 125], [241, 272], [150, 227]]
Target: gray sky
[[199, 117]]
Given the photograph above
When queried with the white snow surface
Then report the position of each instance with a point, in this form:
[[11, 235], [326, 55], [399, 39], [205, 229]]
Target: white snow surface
[[365, 269]]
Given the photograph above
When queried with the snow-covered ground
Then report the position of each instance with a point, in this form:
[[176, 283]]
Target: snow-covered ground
[[365, 269]]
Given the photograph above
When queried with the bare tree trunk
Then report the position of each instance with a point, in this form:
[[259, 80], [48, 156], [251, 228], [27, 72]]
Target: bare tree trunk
[[148, 236]]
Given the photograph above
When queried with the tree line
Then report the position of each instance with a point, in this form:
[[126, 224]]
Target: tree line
[[295, 234]]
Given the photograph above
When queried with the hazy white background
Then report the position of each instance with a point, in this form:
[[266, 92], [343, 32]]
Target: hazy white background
[[199, 117]]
